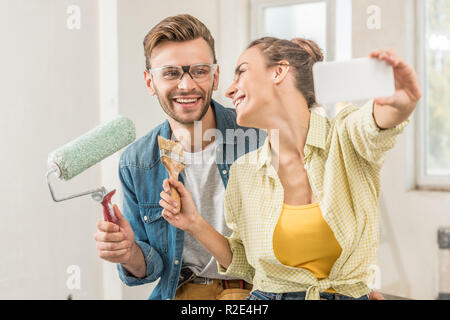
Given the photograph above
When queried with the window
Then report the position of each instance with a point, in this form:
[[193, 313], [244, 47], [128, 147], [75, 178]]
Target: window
[[293, 19], [307, 20], [434, 113]]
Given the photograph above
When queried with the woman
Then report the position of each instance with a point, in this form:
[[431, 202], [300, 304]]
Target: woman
[[303, 207]]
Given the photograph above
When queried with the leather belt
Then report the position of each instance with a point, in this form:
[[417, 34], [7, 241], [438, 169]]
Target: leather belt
[[187, 276], [226, 284]]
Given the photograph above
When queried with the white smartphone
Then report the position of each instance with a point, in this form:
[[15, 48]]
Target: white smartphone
[[353, 80]]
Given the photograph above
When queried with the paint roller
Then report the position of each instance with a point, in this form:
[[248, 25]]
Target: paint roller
[[87, 150]]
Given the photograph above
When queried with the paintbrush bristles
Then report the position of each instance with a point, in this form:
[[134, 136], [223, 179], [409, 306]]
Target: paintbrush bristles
[[172, 156], [170, 145]]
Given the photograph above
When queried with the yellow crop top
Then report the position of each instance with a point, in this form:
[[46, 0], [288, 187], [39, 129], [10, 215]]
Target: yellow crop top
[[303, 239]]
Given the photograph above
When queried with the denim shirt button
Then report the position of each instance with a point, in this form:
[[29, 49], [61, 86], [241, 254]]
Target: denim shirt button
[[145, 218], [224, 171], [176, 262]]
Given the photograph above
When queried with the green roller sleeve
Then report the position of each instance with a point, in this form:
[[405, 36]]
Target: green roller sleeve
[[92, 147]]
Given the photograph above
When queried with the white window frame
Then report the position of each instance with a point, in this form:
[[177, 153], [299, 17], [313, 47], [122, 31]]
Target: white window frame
[[424, 181], [257, 20]]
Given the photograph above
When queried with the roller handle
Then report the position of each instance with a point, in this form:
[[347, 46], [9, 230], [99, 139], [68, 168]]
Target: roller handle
[[108, 210]]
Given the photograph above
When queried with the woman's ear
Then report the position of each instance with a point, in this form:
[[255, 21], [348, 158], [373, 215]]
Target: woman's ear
[[280, 72]]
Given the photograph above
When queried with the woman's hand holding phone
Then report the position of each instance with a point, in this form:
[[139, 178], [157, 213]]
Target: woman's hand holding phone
[[391, 111], [407, 88]]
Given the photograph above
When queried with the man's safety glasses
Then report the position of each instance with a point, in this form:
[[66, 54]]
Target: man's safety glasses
[[198, 72]]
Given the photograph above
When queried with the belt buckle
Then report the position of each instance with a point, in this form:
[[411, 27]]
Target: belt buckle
[[202, 280], [207, 281]]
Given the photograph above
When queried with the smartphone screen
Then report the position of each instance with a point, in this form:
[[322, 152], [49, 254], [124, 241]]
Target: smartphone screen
[[353, 80]]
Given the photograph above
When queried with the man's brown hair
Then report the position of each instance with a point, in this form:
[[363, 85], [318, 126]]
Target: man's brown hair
[[179, 28]]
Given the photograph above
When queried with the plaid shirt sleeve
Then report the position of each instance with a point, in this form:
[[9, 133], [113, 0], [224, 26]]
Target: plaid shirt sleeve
[[371, 142]]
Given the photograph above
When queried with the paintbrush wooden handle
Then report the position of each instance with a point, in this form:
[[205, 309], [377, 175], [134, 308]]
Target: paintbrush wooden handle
[[174, 192]]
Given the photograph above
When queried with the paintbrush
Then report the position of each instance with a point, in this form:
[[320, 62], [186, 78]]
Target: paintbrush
[[171, 153]]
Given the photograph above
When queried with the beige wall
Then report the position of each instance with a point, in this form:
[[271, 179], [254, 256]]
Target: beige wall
[[49, 96], [392, 30]]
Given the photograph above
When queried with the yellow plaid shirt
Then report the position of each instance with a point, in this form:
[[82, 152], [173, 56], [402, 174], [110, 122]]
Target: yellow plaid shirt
[[343, 159]]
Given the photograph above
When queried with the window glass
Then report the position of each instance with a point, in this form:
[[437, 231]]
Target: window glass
[[437, 88], [305, 20]]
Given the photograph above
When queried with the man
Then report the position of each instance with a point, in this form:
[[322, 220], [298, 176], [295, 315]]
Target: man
[[182, 73]]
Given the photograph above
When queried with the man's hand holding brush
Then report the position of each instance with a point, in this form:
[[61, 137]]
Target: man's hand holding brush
[[189, 220]]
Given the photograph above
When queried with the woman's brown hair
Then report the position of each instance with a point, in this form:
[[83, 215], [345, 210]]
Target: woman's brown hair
[[301, 54], [182, 27]]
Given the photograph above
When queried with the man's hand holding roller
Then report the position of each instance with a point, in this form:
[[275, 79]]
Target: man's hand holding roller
[[115, 243]]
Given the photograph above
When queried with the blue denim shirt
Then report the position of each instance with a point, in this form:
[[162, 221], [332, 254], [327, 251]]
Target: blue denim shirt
[[142, 173]]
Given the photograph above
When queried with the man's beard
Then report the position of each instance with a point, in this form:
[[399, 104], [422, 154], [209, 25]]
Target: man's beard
[[168, 107]]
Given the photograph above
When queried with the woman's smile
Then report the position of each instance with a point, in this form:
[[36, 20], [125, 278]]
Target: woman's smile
[[240, 98]]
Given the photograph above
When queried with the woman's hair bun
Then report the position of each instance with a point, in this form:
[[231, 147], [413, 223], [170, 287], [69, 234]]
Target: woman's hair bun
[[311, 47]]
